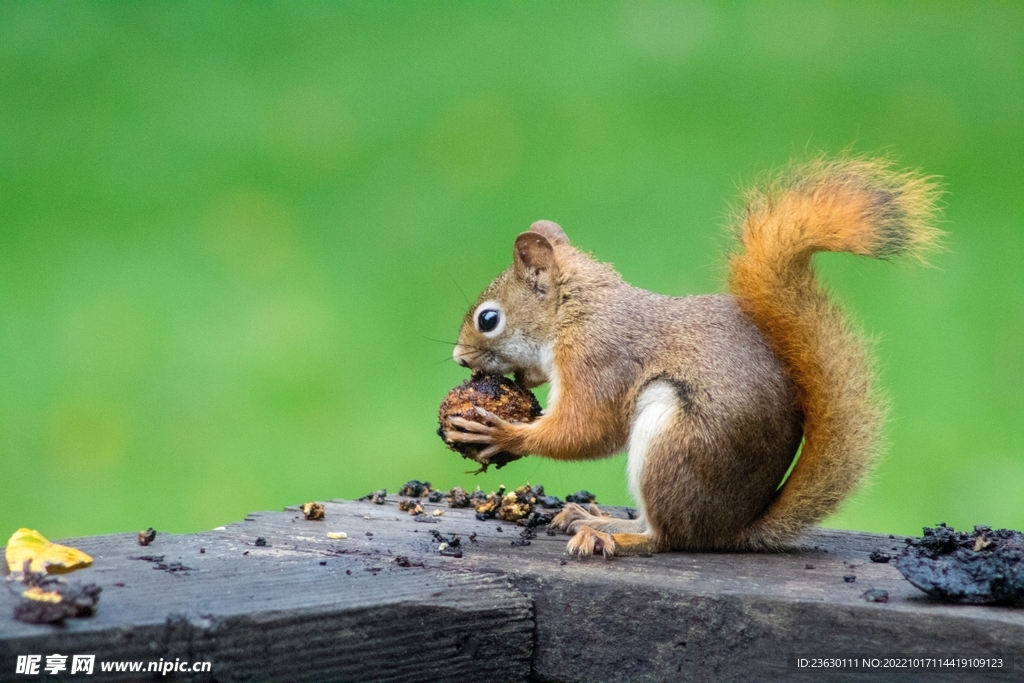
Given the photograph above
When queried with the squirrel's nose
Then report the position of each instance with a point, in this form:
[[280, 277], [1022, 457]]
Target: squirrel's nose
[[459, 356]]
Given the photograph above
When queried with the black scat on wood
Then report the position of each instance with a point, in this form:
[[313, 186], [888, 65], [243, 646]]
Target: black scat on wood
[[450, 546], [880, 556], [158, 563], [984, 567], [72, 599], [582, 497]]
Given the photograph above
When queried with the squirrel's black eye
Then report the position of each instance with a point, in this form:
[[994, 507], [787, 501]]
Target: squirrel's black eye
[[487, 319]]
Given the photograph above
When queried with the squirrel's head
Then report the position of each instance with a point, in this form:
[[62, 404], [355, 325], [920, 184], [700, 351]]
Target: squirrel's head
[[511, 327]]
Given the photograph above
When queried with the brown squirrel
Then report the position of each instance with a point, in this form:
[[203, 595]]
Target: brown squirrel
[[713, 395]]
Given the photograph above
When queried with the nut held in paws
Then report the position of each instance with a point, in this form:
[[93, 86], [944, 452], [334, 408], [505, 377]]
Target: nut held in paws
[[495, 393]]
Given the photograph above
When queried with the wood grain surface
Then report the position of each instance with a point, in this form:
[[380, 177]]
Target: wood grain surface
[[385, 604]]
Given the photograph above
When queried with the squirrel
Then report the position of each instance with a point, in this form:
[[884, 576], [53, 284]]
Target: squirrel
[[713, 395]]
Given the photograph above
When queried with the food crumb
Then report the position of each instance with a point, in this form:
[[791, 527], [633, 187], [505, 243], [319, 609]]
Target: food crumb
[[583, 497], [849, 578], [410, 506], [146, 537], [449, 547], [313, 511], [376, 497], [458, 498], [487, 506], [336, 534], [414, 488], [525, 536], [261, 542]]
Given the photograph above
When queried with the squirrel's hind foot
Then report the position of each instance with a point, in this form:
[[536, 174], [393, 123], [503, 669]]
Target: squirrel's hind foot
[[589, 542]]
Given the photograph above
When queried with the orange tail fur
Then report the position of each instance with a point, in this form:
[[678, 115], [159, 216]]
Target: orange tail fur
[[856, 206]]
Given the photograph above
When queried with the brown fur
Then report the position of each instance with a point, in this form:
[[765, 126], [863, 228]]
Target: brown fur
[[730, 383]]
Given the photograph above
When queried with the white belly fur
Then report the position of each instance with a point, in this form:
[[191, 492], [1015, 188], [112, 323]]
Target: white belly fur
[[654, 409]]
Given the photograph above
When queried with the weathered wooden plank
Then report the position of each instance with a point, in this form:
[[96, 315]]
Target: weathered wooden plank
[[276, 613], [503, 611]]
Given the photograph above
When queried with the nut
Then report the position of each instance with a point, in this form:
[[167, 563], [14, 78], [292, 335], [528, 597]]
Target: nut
[[494, 393]]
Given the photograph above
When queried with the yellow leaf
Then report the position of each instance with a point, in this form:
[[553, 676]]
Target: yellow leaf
[[27, 544]]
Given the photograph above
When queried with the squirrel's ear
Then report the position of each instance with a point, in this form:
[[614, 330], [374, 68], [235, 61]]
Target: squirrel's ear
[[553, 231], [534, 260]]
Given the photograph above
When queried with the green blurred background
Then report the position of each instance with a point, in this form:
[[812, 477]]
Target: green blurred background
[[230, 233]]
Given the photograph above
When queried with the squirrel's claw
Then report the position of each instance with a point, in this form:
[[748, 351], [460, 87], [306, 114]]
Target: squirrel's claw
[[476, 432], [471, 427], [483, 432], [486, 454], [488, 424], [589, 542], [491, 431], [490, 418]]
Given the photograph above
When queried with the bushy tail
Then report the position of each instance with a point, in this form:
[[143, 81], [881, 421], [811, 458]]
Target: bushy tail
[[857, 206]]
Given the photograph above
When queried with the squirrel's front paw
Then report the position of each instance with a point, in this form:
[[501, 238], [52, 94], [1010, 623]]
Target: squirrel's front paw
[[491, 431], [589, 542]]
